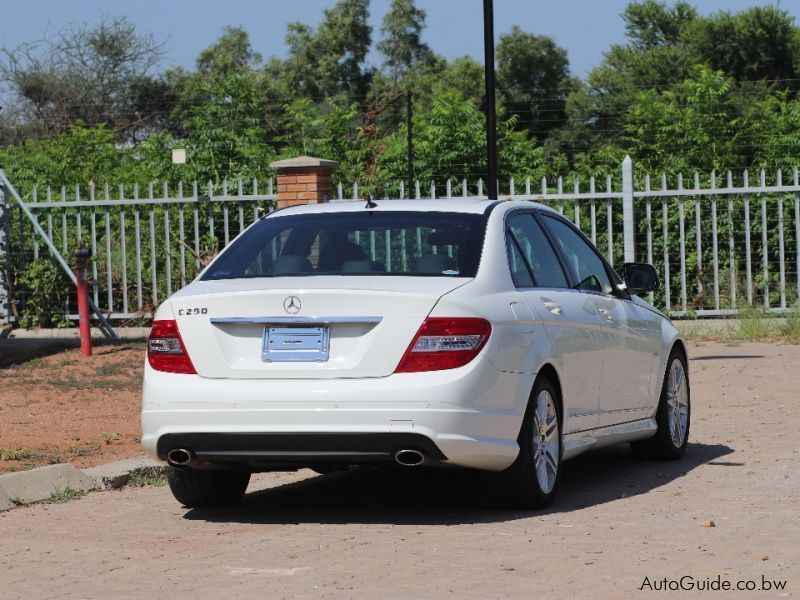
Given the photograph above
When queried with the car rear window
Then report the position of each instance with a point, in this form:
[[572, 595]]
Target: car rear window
[[425, 244]]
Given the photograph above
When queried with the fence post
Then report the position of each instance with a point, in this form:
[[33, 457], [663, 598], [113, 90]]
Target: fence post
[[5, 301], [82, 255], [304, 179], [627, 210]]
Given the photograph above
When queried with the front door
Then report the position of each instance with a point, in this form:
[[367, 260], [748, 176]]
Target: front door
[[627, 372]]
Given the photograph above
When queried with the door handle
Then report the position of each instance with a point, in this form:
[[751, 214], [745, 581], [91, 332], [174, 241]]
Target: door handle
[[606, 314], [552, 307]]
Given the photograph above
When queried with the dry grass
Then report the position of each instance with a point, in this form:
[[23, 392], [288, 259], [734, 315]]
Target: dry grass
[[67, 408], [752, 325]]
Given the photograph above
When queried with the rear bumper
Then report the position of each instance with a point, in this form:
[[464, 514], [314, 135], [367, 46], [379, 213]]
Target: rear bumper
[[268, 450], [468, 417]]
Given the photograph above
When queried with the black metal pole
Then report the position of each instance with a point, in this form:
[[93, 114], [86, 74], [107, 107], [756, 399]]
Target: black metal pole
[[410, 142], [491, 137]]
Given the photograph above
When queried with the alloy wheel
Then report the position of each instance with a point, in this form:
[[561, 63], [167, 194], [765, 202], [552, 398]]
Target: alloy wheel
[[546, 434], [677, 403]]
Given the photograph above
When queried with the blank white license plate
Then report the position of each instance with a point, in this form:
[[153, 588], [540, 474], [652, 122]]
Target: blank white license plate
[[295, 344]]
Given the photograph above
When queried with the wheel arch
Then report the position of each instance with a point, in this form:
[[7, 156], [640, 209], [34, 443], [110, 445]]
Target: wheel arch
[[545, 370], [548, 370], [671, 341], [679, 344]]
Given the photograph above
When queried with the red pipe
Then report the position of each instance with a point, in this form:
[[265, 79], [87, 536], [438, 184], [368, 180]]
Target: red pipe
[[81, 270]]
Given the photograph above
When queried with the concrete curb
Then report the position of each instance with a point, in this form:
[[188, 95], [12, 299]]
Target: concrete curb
[[71, 333], [5, 501], [117, 474], [41, 483]]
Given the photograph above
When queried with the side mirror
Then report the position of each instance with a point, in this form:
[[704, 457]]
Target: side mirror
[[640, 278]]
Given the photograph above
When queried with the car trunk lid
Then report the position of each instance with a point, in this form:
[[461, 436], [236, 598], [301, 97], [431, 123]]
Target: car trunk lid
[[267, 328]]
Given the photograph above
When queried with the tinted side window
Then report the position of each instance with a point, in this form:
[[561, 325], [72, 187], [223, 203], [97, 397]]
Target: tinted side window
[[537, 251], [586, 265], [519, 271]]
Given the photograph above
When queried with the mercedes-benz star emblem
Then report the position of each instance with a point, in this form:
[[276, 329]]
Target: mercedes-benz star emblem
[[292, 305]]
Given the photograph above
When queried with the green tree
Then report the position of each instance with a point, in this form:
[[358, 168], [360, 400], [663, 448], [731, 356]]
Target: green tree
[[105, 74], [533, 74], [402, 45], [227, 130], [231, 54], [683, 92], [652, 24], [90, 157], [771, 126], [230, 115], [343, 140], [328, 61], [694, 125], [665, 44], [80, 156], [463, 75], [302, 128], [450, 142], [654, 56], [760, 43]]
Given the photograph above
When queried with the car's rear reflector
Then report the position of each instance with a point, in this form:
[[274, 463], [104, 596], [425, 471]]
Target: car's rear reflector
[[445, 343], [165, 349]]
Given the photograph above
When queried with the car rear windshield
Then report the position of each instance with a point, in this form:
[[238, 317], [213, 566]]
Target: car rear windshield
[[441, 244]]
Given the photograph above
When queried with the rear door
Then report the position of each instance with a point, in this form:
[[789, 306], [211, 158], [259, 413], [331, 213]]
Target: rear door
[[627, 360], [570, 319]]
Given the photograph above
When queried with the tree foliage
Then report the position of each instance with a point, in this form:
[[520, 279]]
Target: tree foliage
[[687, 127], [685, 91], [533, 73], [329, 60], [757, 44], [106, 74], [231, 54], [402, 45]]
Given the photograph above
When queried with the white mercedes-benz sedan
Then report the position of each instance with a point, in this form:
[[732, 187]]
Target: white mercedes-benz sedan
[[449, 333]]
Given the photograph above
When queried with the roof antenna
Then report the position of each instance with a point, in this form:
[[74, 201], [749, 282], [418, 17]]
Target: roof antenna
[[370, 203]]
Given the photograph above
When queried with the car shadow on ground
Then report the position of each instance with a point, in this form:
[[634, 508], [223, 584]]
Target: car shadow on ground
[[17, 351], [727, 357], [442, 497]]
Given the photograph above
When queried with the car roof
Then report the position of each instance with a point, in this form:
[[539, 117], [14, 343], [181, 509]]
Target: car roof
[[463, 205]]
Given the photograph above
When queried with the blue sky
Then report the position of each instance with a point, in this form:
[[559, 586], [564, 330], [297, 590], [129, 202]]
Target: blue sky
[[585, 28]]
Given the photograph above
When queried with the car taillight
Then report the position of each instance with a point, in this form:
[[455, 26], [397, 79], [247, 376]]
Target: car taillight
[[445, 343], [165, 349]]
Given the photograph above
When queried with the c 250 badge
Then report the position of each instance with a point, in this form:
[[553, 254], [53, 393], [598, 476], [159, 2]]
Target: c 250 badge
[[192, 311]]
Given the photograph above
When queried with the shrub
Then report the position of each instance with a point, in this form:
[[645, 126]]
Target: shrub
[[46, 285]]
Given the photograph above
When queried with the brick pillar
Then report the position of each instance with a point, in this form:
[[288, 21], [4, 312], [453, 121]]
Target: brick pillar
[[304, 180]]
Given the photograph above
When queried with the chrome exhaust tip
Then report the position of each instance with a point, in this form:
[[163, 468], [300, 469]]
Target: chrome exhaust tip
[[179, 457], [409, 458]]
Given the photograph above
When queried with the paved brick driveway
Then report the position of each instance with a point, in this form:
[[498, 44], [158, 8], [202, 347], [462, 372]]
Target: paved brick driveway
[[417, 534]]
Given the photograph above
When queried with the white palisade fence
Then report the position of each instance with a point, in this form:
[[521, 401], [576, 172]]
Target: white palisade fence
[[720, 243], [145, 244]]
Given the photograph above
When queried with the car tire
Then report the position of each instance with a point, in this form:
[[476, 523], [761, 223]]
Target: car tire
[[673, 416], [532, 481], [195, 488]]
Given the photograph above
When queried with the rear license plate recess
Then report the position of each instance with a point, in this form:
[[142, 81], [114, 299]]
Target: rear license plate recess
[[295, 344]]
